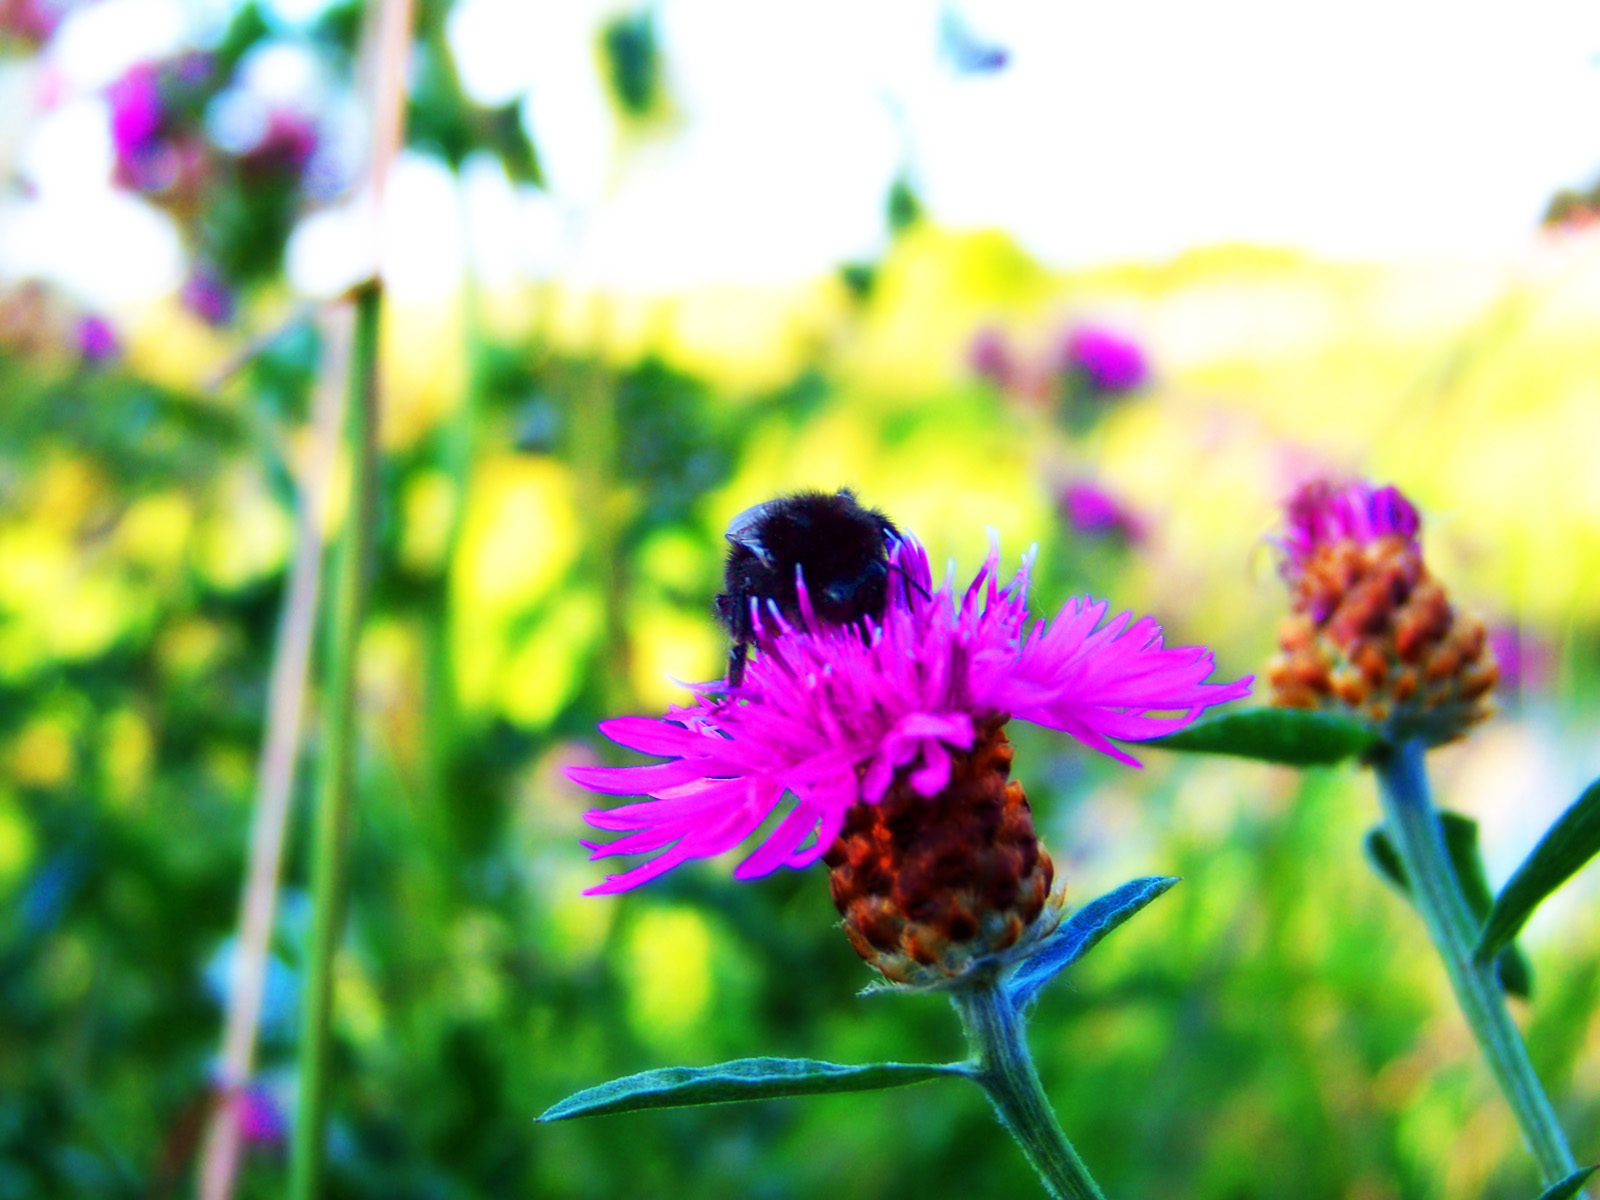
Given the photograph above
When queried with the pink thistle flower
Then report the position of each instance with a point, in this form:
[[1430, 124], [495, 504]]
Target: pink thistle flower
[[837, 717]]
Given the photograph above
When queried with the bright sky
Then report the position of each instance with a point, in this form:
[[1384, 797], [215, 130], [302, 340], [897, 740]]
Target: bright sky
[[1117, 131]]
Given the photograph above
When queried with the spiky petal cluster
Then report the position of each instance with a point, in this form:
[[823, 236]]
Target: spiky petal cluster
[[835, 718], [1371, 631]]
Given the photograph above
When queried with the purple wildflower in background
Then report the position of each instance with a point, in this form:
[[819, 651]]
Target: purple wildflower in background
[[837, 719], [29, 21], [1108, 363], [990, 357], [137, 114], [285, 146], [208, 296], [262, 1120], [97, 341], [1095, 512]]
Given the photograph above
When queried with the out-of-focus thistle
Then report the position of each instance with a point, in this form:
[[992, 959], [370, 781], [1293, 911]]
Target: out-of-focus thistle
[[1373, 634], [1100, 362], [1371, 630]]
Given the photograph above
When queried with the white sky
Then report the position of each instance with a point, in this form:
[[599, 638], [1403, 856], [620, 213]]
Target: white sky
[[1119, 130]]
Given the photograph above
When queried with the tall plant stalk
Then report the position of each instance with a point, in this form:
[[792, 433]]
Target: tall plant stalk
[[1414, 826], [275, 777], [337, 775]]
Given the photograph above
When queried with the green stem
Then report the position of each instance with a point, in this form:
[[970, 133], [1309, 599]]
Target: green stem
[[1004, 1069], [338, 758], [1414, 826]]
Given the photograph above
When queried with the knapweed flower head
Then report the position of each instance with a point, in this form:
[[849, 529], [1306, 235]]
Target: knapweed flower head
[[889, 738], [1371, 631], [1107, 363]]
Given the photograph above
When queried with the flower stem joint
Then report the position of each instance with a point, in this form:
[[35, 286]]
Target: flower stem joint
[[1371, 631]]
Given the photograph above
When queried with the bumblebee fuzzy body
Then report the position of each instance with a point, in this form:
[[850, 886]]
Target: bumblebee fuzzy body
[[841, 548]]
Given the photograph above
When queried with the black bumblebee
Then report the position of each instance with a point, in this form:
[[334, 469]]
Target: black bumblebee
[[841, 547]]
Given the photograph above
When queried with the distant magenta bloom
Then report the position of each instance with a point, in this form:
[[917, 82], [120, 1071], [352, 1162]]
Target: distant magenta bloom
[[1095, 512], [136, 111], [97, 340], [1109, 363], [206, 294], [840, 718], [990, 357], [262, 1119]]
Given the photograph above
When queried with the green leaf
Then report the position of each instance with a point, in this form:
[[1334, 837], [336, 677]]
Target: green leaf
[[1568, 1186], [1569, 843], [742, 1079], [1081, 932], [1461, 842], [1297, 737]]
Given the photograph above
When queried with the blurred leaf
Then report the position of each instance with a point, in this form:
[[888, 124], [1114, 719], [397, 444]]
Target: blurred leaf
[[742, 1079], [633, 60], [1570, 1185], [1461, 841], [1081, 932], [1297, 737], [246, 29], [1566, 846], [904, 207]]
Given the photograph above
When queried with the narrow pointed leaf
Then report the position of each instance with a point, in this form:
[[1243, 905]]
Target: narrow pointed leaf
[[1461, 841], [1570, 1185], [1081, 932], [1296, 737], [1570, 843], [742, 1079]]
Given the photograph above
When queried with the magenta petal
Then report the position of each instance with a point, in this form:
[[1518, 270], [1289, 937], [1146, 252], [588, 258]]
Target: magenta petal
[[640, 874], [930, 778], [769, 856], [635, 781], [651, 736]]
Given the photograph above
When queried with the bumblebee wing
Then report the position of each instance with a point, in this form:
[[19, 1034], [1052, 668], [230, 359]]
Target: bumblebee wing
[[745, 530]]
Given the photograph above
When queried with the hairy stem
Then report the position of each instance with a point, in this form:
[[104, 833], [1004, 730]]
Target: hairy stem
[[1003, 1067], [1414, 825]]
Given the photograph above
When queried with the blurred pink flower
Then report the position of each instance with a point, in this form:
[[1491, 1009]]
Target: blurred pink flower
[[991, 358], [1095, 512], [285, 146], [262, 1119], [97, 340], [206, 294], [136, 115], [835, 717], [1108, 362]]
